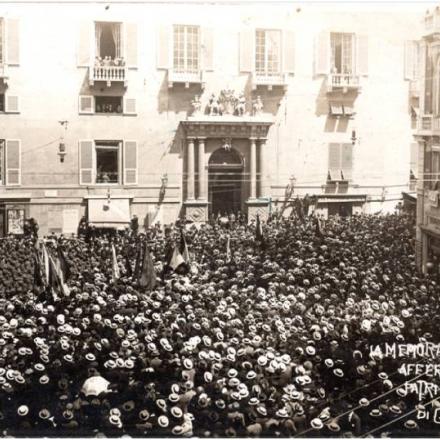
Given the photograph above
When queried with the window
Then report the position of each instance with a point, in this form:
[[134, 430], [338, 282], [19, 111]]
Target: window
[[108, 104], [186, 53], [107, 162], [268, 52], [435, 170], [2, 102], [340, 162], [108, 40], [341, 53]]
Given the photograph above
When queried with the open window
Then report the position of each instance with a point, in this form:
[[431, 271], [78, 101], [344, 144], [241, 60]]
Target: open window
[[108, 159], [108, 104], [108, 40]]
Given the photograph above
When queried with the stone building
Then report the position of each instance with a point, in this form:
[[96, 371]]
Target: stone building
[[160, 110]]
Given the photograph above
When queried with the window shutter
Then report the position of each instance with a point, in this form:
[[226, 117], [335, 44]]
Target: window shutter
[[334, 161], [129, 106], [362, 55], [131, 45], [11, 104], [247, 50], [130, 163], [208, 48], [86, 104], [13, 162], [13, 41], [347, 161], [413, 158], [409, 60], [289, 51], [86, 173], [164, 38], [83, 52], [322, 54]]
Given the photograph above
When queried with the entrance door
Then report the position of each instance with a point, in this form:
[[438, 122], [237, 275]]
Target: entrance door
[[225, 182], [341, 209]]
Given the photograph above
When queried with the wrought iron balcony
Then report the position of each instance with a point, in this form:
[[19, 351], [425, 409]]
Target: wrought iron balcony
[[269, 80], [187, 78], [108, 74], [345, 81]]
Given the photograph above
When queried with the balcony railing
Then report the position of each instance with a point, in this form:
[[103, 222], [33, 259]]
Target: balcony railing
[[428, 124], [187, 78], [269, 80], [432, 21], [109, 74], [343, 81]]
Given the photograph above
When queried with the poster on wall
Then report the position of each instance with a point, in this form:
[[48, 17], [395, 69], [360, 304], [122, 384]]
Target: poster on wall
[[15, 221]]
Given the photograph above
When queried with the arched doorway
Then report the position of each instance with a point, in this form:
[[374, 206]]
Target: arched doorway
[[225, 181]]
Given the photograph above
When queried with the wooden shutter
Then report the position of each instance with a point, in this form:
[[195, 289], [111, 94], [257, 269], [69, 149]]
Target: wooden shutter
[[86, 162], [334, 161], [247, 50], [129, 106], [288, 51], [83, 52], [322, 54], [413, 158], [86, 104], [130, 163], [13, 162], [347, 160], [421, 162], [362, 55], [11, 104], [163, 46], [422, 62], [13, 41], [131, 45], [208, 48]]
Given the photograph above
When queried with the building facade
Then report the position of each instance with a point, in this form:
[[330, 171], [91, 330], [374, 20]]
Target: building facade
[[428, 137], [167, 109]]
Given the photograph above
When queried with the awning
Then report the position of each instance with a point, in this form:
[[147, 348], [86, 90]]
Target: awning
[[336, 109], [412, 197], [415, 111], [109, 213], [334, 175]]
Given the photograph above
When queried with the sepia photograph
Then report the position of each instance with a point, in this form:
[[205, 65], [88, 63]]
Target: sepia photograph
[[219, 219]]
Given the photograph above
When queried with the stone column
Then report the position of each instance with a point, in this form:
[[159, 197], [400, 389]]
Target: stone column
[[253, 168], [202, 178], [264, 190], [190, 161]]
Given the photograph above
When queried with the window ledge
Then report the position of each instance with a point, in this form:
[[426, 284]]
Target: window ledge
[[276, 80], [186, 78]]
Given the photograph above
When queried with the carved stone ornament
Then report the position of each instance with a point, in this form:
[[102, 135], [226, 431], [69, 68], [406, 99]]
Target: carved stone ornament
[[227, 102]]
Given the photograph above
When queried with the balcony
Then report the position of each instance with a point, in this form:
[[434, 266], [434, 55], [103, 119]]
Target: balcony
[[269, 80], [108, 74], [432, 22], [344, 81], [428, 125], [187, 78]]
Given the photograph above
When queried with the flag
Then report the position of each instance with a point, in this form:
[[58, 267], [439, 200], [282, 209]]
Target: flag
[[46, 263], [259, 230], [184, 247], [176, 259], [63, 266], [38, 278], [53, 279], [115, 268], [148, 274], [228, 250]]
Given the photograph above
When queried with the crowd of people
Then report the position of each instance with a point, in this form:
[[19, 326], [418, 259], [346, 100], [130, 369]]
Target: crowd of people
[[267, 337]]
